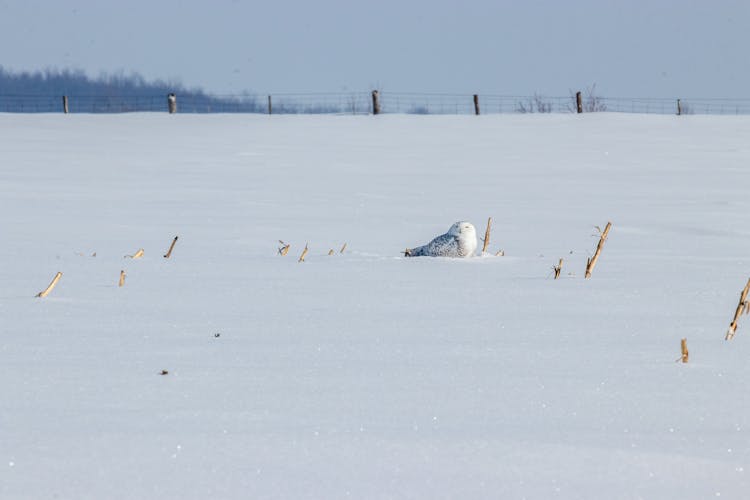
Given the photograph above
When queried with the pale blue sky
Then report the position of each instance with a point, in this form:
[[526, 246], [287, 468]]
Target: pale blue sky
[[637, 48]]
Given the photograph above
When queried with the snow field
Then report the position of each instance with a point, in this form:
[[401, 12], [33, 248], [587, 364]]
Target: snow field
[[365, 374]]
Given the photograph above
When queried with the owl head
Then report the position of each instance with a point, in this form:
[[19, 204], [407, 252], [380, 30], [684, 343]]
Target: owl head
[[462, 228]]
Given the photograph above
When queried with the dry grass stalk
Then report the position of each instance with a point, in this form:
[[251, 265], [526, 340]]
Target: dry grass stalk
[[51, 286], [171, 247], [304, 253], [284, 248], [742, 306], [343, 248], [591, 262], [331, 252], [558, 268], [487, 236], [685, 354], [136, 255], [122, 278]]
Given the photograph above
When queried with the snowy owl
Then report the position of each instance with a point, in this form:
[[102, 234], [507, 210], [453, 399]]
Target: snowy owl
[[459, 241]]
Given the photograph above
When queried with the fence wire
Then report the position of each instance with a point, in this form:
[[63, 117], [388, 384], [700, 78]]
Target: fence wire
[[702, 106], [362, 103]]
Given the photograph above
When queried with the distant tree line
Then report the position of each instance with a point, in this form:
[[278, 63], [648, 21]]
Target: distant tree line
[[39, 90]]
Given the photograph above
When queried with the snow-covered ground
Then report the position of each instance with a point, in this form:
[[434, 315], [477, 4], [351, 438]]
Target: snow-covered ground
[[367, 374]]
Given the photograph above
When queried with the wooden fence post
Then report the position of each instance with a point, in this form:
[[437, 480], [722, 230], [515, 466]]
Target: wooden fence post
[[375, 102], [65, 104], [679, 108], [269, 105], [172, 103], [579, 102], [476, 104]]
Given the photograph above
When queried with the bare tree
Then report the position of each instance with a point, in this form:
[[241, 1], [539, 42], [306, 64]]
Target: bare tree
[[535, 104], [593, 102], [686, 109], [542, 106]]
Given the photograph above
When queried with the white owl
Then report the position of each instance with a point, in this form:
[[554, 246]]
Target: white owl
[[459, 241]]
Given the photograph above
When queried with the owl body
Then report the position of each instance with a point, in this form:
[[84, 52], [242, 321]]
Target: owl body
[[459, 241]]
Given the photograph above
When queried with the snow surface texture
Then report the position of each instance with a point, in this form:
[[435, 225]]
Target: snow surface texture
[[459, 241], [367, 374]]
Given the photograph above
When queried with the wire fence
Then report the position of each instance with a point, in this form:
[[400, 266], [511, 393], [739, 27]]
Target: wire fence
[[362, 103], [462, 104], [698, 106]]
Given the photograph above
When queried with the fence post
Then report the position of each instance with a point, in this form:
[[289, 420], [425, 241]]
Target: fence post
[[269, 105], [579, 102], [172, 103], [65, 104], [375, 102], [476, 104], [679, 108]]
